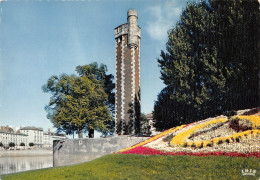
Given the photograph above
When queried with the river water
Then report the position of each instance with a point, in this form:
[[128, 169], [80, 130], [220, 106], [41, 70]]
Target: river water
[[18, 164]]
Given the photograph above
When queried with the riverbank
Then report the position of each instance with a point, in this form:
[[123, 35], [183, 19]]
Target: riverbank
[[26, 153]]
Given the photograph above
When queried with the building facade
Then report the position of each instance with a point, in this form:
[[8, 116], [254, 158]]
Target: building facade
[[127, 44], [49, 137], [47, 140], [28, 135], [8, 135], [35, 135]]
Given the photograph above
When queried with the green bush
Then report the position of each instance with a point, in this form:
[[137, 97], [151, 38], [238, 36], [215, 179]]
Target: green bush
[[11, 144]]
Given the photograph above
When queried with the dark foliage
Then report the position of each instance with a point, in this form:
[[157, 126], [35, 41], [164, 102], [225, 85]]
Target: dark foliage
[[211, 63], [11, 144]]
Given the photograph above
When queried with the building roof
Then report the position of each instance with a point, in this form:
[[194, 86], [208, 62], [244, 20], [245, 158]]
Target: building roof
[[6, 129], [31, 128], [149, 115], [54, 134], [9, 130]]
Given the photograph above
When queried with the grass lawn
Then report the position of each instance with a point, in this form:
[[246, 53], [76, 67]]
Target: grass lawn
[[130, 166]]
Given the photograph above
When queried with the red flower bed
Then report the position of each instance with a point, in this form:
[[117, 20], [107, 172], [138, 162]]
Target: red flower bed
[[143, 150], [149, 151]]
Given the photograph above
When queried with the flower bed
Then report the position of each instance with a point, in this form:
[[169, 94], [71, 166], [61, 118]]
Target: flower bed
[[180, 139], [213, 136], [154, 138], [149, 151], [254, 119], [235, 137]]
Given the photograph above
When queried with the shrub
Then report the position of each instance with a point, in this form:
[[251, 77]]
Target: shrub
[[11, 144]]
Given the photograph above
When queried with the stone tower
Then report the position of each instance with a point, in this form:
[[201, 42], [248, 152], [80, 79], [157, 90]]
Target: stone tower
[[127, 37]]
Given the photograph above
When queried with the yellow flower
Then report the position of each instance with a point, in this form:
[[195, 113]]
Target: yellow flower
[[254, 119], [180, 138], [154, 138], [198, 143]]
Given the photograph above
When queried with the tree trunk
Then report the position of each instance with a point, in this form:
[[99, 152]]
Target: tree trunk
[[91, 133]]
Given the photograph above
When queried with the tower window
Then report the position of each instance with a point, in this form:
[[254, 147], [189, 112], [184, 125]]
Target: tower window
[[119, 39]]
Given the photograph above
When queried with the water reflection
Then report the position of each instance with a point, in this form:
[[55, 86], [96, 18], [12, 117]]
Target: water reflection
[[18, 164]]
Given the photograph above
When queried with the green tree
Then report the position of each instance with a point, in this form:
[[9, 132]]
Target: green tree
[[1, 144], [78, 103], [22, 144], [190, 69], [168, 112], [11, 144], [205, 71], [100, 73], [237, 42], [31, 144]]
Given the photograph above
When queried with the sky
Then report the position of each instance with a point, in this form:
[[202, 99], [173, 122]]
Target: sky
[[39, 39]]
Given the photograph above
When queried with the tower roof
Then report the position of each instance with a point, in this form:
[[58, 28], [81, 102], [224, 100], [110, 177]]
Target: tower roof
[[132, 12]]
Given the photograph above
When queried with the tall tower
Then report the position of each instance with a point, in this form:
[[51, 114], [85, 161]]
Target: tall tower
[[127, 38]]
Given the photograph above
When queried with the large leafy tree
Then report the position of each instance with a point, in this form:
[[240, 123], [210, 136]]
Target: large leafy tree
[[100, 73], [206, 73], [78, 103]]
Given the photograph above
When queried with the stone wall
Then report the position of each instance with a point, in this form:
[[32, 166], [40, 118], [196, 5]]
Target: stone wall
[[74, 151]]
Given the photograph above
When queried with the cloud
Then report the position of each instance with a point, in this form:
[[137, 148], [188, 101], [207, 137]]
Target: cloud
[[163, 17]]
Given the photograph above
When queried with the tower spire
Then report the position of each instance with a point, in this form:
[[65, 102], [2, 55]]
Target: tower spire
[[132, 27]]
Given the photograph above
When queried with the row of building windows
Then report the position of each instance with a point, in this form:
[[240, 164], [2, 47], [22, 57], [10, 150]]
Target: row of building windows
[[25, 136]]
